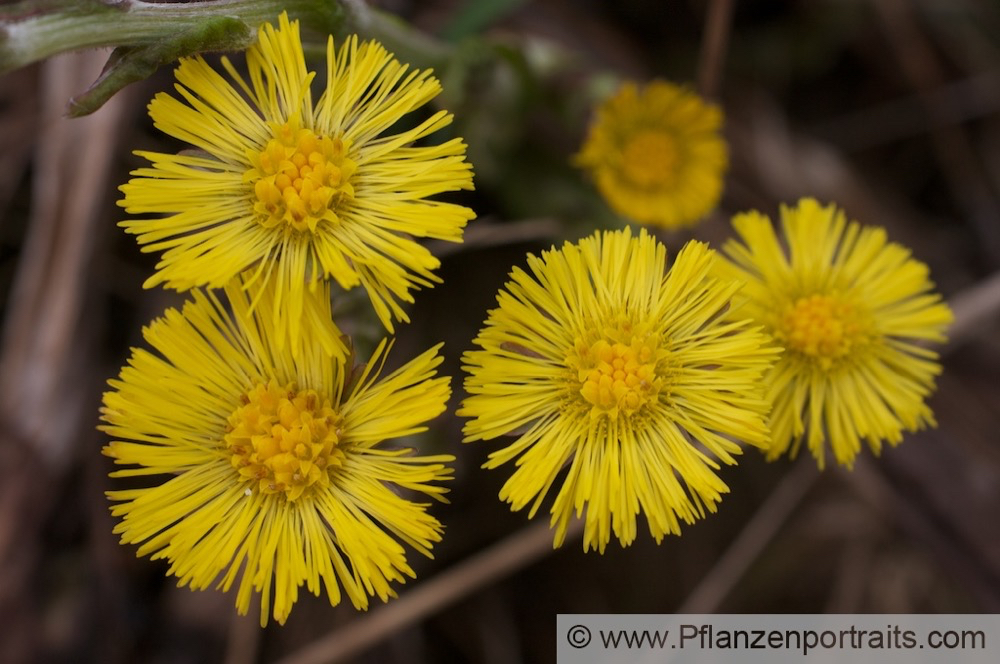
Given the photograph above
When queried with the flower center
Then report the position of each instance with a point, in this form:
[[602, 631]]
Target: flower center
[[823, 327], [300, 179], [617, 369], [650, 158], [284, 440]]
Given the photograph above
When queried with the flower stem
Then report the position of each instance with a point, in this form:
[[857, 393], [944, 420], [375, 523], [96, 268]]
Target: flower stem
[[403, 41], [33, 30]]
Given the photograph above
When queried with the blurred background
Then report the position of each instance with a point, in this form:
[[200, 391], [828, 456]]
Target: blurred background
[[890, 108]]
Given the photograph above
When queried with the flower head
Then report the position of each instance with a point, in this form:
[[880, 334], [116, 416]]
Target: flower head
[[299, 191], [656, 154], [270, 467], [623, 375], [853, 312]]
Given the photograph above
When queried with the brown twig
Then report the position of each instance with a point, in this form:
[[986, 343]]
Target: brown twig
[[43, 352], [41, 341], [482, 569], [849, 585], [243, 638], [976, 96], [973, 308], [714, 46], [877, 490], [759, 531], [959, 164], [486, 233]]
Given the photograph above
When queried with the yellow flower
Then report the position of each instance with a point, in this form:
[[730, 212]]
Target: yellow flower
[[300, 191], [602, 362], [656, 154], [256, 464], [853, 312]]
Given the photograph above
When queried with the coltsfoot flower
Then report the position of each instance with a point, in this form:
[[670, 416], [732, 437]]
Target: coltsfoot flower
[[854, 312], [268, 470], [299, 191], [656, 154], [621, 377]]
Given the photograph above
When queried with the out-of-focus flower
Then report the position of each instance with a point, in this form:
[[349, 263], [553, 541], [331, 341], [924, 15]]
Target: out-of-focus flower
[[623, 378], [854, 312], [656, 154]]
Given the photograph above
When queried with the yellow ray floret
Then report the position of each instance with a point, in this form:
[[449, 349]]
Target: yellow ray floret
[[267, 470], [297, 190], [620, 378], [854, 312], [656, 154]]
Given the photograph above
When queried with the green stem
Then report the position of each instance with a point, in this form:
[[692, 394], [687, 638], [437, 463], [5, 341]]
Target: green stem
[[147, 35], [405, 42], [34, 30]]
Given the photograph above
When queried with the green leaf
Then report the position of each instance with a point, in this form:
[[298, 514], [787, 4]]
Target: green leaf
[[129, 64]]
